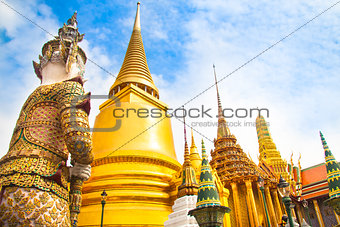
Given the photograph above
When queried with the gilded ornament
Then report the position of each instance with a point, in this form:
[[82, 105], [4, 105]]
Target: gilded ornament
[[43, 198], [10, 201], [48, 218], [29, 207], [37, 202], [21, 214]]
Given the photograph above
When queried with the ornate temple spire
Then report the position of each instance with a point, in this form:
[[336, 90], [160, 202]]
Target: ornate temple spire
[[194, 155], [192, 139], [228, 158], [189, 185], [333, 171], [135, 69], [207, 193], [268, 151], [263, 133], [223, 129], [136, 25], [186, 149]]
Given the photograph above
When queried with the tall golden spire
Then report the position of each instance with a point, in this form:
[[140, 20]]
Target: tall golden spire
[[195, 156], [189, 185], [186, 149], [135, 69], [223, 129], [192, 139]]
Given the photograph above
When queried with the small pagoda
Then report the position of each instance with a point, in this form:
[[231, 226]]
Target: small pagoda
[[208, 212], [333, 177]]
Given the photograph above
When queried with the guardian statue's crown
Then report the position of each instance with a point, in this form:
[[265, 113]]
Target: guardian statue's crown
[[63, 48]]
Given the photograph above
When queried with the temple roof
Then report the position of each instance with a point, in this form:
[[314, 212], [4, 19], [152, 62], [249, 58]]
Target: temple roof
[[333, 170], [207, 193], [135, 68]]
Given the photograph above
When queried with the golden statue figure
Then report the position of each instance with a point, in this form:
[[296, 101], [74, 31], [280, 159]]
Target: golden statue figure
[[37, 188]]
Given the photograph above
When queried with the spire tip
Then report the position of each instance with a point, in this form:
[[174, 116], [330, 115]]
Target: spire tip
[[136, 26]]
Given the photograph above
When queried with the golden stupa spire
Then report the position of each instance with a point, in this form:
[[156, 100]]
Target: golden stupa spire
[[195, 156], [192, 139], [136, 25], [186, 149], [223, 129], [135, 68], [189, 185]]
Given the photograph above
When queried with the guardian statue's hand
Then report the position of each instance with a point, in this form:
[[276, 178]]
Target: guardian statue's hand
[[81, 170]]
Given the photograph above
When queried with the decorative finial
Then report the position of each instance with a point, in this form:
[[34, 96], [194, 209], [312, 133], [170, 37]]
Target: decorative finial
[[185, 131], [218, 95], [204, 154], [186, 149], [192, 138], [136, 26], [223, 129]]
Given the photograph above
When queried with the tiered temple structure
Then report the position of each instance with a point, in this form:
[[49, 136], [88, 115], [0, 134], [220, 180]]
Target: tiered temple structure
[[271, 162], [135, 166], [237, 173], [187, 193]]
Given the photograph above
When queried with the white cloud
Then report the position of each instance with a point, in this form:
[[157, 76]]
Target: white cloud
[[296, 80]]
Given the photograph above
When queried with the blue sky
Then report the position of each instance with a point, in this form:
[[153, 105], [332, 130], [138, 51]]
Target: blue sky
[[297, 80]]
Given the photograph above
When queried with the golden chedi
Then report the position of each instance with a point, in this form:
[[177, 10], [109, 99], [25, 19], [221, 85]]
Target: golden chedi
[[134, 156]]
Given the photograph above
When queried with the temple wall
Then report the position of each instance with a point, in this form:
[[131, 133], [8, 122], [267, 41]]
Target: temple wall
[[327, 213]]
